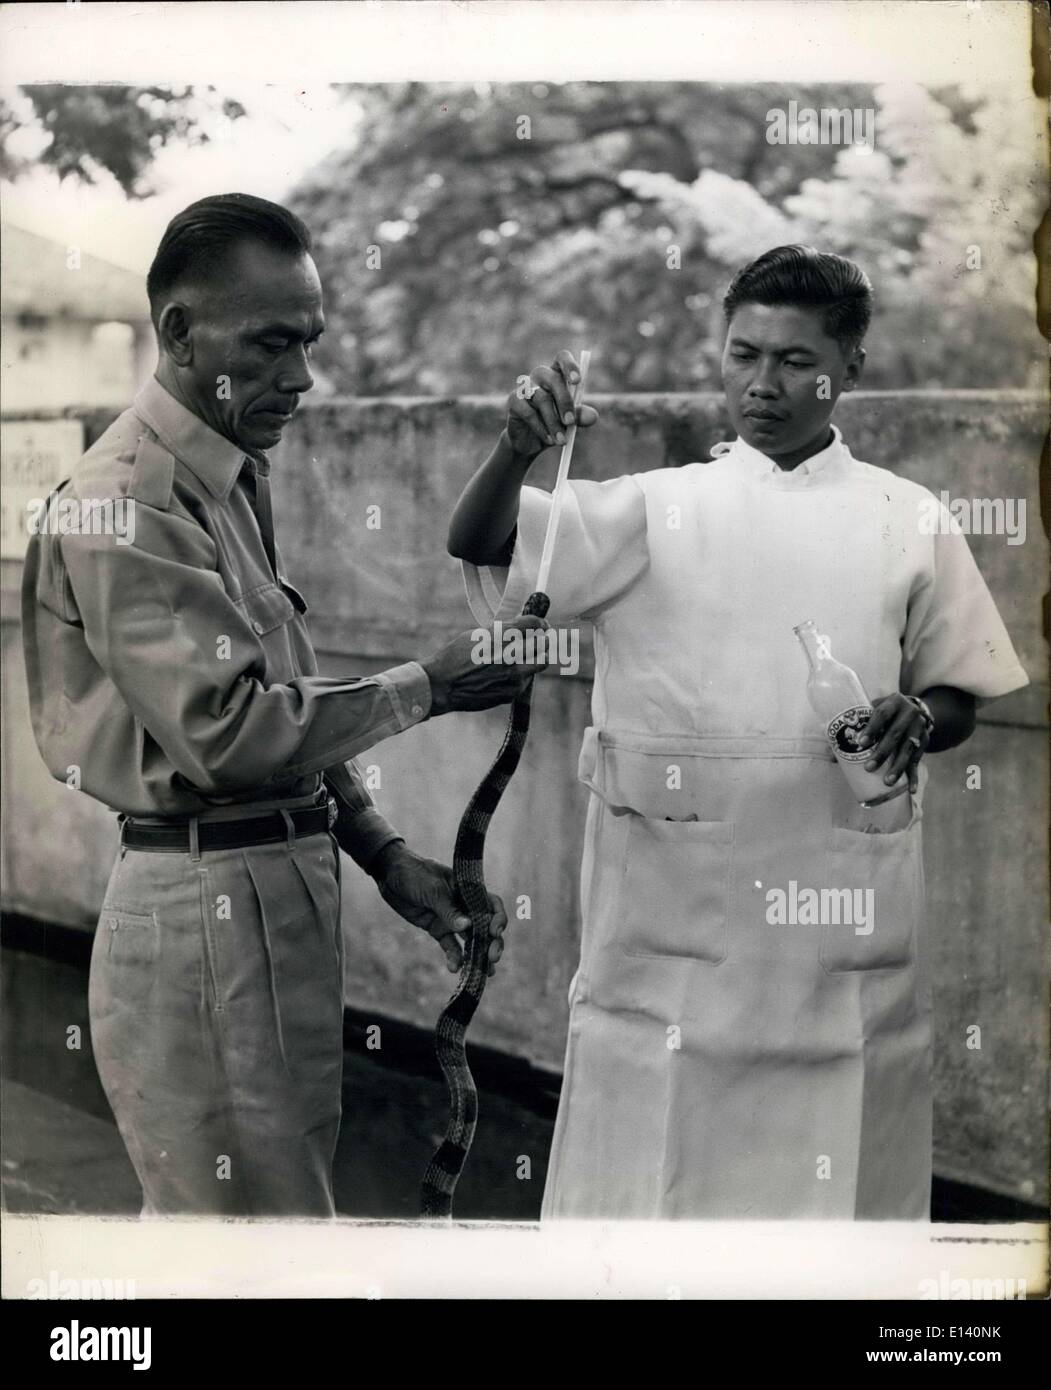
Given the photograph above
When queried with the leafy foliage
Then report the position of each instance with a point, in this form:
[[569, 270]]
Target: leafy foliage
[[111, 127], [511, 220], [501, 240]]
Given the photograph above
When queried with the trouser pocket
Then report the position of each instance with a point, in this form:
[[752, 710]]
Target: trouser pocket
[[132, 938], [675, 889]]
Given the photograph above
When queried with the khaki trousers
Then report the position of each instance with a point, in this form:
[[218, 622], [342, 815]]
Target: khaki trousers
[[216, 1006]]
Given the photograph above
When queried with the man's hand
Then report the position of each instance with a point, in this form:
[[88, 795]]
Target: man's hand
[[538, 413], [421, 891], [900, 735], [461, 681]]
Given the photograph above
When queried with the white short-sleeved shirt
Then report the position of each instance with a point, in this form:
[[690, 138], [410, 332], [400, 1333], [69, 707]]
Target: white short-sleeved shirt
[[694, 578]]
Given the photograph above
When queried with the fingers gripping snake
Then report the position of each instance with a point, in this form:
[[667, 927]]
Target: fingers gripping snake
[[445, 1167]]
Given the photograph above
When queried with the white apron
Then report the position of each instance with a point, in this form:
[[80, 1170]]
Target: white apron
[[719, 1065], [729, 1055]]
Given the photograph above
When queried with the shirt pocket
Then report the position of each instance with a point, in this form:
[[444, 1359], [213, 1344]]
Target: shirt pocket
[[675, 889], [883, 874], [266, 608]]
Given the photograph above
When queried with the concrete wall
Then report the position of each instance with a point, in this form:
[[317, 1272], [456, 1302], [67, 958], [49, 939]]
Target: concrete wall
[[384, 595]]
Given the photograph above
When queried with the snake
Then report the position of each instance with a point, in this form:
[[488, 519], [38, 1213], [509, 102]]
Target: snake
[[450, 1036]]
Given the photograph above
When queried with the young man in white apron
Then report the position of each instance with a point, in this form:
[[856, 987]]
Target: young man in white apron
[[727, 1058]]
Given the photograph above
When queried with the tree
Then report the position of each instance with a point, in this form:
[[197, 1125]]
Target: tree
[[473, 229], [108, 127], [942, 214], [503, 229]]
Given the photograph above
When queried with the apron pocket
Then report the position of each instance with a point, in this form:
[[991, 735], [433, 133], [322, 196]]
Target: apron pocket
[[675, 889], [876, 882]]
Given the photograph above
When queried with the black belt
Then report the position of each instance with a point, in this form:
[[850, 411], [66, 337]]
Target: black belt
[[269, 829]]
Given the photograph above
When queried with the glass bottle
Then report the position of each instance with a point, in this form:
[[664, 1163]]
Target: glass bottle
[[839, 700]]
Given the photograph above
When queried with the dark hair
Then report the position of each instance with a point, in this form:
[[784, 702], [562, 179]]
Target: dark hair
[[800, 275], [197, 237]]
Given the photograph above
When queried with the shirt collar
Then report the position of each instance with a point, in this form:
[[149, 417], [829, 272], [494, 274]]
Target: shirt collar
[[760, 465], [214, 459]]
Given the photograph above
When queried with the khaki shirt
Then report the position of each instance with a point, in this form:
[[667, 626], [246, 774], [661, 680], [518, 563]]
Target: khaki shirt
[[170, 671]]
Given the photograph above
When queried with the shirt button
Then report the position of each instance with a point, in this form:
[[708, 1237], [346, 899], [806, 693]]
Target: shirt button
[[257, 626], [417, 711]]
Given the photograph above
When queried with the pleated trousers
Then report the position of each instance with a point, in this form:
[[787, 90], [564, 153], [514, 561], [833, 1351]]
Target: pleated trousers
[[216, 1007]]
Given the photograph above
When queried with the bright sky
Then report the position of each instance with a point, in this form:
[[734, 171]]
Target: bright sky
[[286, 132]]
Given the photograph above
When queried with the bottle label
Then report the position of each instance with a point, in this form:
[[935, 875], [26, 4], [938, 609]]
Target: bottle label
[[845, 731]]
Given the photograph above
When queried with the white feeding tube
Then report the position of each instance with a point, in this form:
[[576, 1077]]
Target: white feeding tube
[[560, 482]]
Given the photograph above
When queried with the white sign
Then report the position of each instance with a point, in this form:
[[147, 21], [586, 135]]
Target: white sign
[[35, 455]]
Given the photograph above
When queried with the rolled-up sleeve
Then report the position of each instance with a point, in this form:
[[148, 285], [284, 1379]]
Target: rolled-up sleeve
[[600, 551], [954, 634], [189, 665]]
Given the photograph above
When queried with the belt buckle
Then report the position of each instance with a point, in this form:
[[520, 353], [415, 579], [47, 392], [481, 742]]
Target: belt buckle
[[333, 812]]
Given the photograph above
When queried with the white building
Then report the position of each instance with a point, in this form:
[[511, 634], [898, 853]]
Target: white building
[[75, 329]]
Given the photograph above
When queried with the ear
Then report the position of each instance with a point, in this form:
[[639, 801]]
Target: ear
[[174, 334], [855, 366]]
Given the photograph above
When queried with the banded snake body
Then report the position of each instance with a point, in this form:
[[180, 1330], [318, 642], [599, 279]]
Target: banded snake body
[[446, 1165]]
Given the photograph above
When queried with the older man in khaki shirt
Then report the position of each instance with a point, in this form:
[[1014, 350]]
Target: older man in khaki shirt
[[171, 677]]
